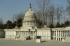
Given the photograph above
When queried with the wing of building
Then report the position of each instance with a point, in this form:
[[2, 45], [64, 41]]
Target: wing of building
[[30, 30]]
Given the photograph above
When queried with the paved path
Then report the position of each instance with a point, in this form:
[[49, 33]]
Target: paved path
[[30, 43]]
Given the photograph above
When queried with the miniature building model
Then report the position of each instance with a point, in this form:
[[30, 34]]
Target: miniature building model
[[30, 30]]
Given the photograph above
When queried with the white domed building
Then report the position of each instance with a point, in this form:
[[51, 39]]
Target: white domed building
[[30, 30], [30, 19]]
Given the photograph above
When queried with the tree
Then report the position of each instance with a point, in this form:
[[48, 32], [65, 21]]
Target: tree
[[62, 25], [67, 23], [14, 24], [51, 13], [17, 16], [19, 22], [58, 24], [17, 19], [59, 12], [1, 24], [50, 26], [8, 25], [42, 8], [68, 8]]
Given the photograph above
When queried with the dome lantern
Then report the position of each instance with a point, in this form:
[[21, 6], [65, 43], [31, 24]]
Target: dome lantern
[[30, 8]]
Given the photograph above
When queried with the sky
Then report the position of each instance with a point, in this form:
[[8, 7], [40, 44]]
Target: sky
[[10, 7]]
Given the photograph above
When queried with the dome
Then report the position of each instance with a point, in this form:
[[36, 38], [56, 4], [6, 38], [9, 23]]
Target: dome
[[30, 15], [30, 19]]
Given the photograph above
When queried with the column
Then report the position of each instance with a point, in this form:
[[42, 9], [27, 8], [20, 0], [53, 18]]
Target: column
[[26, 34], [33, 35], [64, 34], [56, 35], [68, 34], [60, 35]]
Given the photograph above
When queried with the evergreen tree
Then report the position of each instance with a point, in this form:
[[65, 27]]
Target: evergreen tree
[[67, 23], [14, 24], [1, 24], [9, 25], [58, 24], [19, 22]]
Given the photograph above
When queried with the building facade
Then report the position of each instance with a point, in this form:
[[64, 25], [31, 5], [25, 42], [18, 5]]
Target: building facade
[[30, 30]]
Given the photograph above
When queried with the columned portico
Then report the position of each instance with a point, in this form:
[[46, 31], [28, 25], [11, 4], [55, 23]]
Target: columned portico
[[59, 35]]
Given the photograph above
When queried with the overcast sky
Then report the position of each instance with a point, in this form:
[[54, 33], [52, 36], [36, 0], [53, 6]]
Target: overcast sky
[[10, 7]]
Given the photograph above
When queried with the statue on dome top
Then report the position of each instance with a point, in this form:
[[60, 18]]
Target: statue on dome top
[[30, 6]]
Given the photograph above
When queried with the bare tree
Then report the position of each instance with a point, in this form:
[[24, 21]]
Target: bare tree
[[59, 11], [68, 8], [42, 8], [51, 13], [17, 16]]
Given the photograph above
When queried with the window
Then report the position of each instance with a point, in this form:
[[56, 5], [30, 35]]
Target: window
[[38, 37]]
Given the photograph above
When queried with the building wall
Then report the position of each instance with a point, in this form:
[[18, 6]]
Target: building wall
[[10, 34], [25, 34], [2, 33], [45, 34], [59, 34]]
